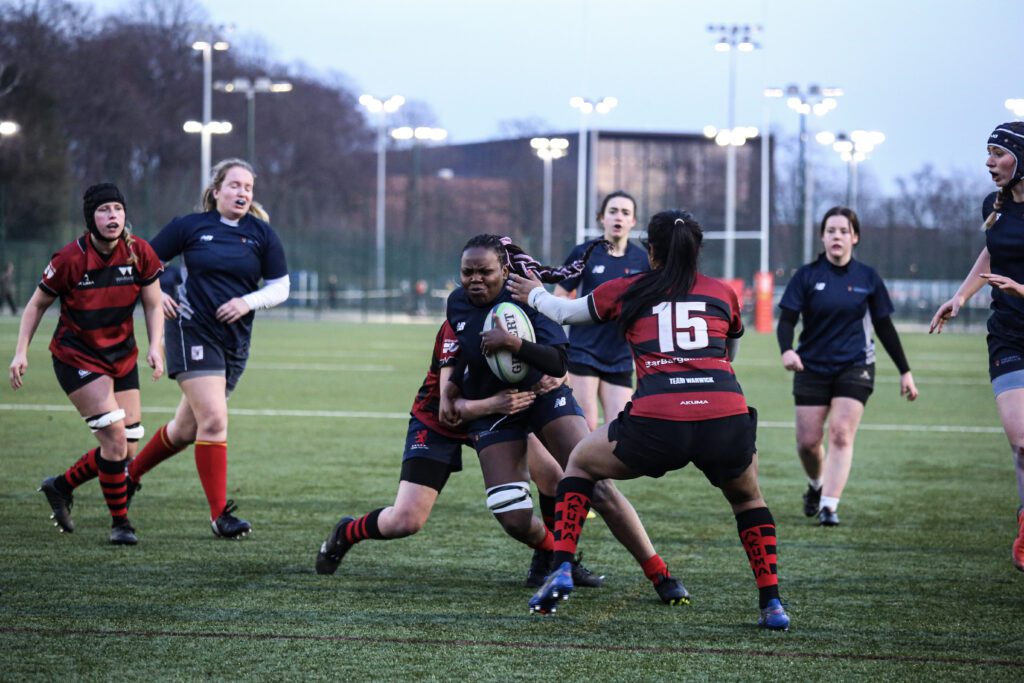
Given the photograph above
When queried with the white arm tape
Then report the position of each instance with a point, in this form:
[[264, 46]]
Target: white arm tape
[[562, 311], [271, 294], [105, 420]]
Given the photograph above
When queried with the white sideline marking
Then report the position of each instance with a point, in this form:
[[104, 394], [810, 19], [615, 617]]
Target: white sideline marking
[[321, 367], [344, 414]]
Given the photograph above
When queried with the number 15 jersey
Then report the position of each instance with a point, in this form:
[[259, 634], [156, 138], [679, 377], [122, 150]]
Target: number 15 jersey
[[682, 366]]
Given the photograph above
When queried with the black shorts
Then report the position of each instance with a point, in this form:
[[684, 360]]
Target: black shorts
[[812, 389], [190, 352], [722, 448], [547, 408], [72, 378], [621, 379], [1005, 355]]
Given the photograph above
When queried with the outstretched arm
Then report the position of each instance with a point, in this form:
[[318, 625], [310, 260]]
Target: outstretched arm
[[30, 319], [530, 291]]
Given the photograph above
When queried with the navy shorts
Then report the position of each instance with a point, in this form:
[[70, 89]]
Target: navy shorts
[[622, 379], [71, 378], [423, 442], [547, 408], [722, 448], [190, 352], [812, 389]]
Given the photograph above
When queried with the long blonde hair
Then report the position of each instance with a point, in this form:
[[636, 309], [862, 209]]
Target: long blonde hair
[[217, 175]]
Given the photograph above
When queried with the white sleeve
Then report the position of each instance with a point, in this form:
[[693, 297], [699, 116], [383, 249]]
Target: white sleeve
[[271, 294], [562, 311]]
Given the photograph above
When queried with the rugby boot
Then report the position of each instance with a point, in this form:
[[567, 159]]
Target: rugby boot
[[556, 587], [540, 567], [812, 500], [123, 533], [774, 616], [583, 577], [827, 517], [1018, 543], [333, 550], [60, 503], [228, 526], [671, 590]]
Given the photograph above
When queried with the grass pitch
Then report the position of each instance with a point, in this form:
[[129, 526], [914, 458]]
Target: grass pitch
[[915, 584]]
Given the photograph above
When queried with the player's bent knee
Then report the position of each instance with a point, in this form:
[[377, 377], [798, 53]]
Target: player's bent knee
[[406, 522], [508, 497]]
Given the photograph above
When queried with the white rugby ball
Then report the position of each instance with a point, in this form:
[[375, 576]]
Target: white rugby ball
[[506, 367]]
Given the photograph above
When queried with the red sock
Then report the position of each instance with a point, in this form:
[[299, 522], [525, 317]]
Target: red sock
[[83, 470], [654, 568], [115, 492], [365, 527], [548, 543], [757, 533], [212, 465], [153, 453]]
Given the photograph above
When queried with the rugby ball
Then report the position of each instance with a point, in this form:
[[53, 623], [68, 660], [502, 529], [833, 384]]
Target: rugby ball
[[506, 367]]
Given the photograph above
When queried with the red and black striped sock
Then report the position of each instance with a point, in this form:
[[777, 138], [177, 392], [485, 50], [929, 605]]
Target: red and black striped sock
[[212, 465], [547, 544], [82, 471], [158, 449], [757, 533], [654, 568], [115, 491], [570, 513], [365, 527]]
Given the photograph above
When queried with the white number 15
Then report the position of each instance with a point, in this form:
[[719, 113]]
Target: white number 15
[[685, 333]]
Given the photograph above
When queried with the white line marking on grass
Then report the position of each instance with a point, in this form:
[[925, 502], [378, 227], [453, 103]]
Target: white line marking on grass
[[321, 367], [271, 412]]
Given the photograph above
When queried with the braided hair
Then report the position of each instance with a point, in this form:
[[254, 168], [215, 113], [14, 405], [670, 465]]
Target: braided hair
[[519, 262], [674, 238], [1010, 138]]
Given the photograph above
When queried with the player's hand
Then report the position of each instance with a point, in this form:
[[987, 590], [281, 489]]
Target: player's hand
[[520, 287], [791, 361], [907, 386], [946, 312], [548, 383], [511, 401], [497, 339], [170, 306], [233, 311], [18, 367], [1003, 283], [156, 361]]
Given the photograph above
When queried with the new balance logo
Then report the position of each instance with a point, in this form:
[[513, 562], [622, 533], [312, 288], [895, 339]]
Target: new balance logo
[[206, 238], [560, 402], [818, 286], [598, 269], [460, 327]]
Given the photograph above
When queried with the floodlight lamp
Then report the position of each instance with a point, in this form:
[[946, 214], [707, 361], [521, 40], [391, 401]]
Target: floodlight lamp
[[403, 133], [611, 102], [710, 132], [846, 156], [193, 127], [220, 45], [722, 45], [200, 45], [560, 144], [723, 138], [859, 156], [8, 128], [538, 143], [283, 86], [746, 46], [843, 146], [825, 137], [773, 92]]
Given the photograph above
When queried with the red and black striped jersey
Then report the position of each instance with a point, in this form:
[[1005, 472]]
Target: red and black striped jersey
[[682, 366], [427, 404], [97, 299]]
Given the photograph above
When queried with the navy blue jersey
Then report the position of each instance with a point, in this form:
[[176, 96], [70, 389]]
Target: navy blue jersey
[[467, 319], [602, 347], [837, 305], [223, 262], [1005, 243]]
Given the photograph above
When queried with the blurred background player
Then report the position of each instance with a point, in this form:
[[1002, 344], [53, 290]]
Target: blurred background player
[[681, 325], [98, 278], [834, 363], [1001, 265], [227, 250], [8, 294]]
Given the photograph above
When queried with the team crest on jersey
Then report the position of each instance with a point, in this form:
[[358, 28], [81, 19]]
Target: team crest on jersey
[[818, 286], [598, 269], [420, 440], [50, 271], [197, 353]]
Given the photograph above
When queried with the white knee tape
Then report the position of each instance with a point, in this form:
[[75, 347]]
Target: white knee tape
[[98, 422], [507, 497], [134, 432]]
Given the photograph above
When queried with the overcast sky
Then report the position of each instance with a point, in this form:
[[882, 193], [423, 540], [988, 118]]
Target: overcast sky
[[930, 74]]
